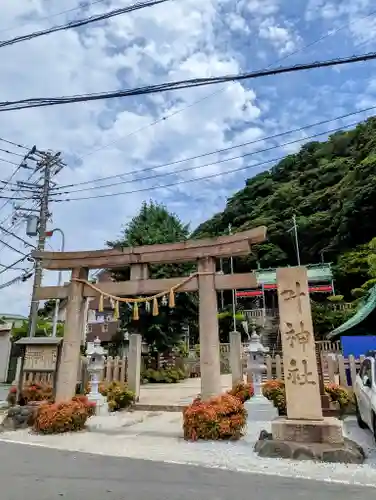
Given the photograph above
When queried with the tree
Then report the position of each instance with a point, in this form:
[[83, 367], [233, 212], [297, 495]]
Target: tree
[[154, 224], [330, 187], [326, 319], [44, 329], [47, 310]]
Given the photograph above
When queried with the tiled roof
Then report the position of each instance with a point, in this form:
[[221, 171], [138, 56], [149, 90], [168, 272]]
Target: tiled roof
[[361, 314]]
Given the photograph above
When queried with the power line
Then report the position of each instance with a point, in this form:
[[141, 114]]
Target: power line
[[82, 22], [223, 150], [27, 243], [7, 182], [13, 248], [8, 161], [179, 84], [13, 143], [21, 277], [23, 164], [11, 266], [196, 167], [87, 4], [10, 152], [216, 92], [177, 183], [184, 181]]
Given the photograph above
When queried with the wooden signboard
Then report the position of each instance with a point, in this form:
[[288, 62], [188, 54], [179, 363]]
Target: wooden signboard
[[40, 358]]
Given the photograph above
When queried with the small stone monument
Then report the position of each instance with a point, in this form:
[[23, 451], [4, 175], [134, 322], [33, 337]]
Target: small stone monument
[[258, 407], [95, 355]]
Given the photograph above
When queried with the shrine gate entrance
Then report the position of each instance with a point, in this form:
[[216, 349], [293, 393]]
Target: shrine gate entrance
[[206, 281]]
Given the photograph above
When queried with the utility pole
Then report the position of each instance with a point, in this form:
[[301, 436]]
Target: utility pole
[[295, 229], [233, 291], [46, 164]]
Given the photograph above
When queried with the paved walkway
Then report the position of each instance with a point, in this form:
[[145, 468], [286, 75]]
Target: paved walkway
[[157, 436], [176, 394], [42, 474]]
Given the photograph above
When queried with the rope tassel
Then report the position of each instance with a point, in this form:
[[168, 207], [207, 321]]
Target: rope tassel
[[135, 312], [155, 307], [101, 303], [171, 300], [116, 310]]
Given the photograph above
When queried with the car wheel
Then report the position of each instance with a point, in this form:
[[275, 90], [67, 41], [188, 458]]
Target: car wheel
[[361, 424]]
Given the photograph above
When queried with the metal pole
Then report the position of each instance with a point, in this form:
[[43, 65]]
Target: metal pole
[[296, 239], [59, 281], [43, 216], [222, 295], [233, 291]]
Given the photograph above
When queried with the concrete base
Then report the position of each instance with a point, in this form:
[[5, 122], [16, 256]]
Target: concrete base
[[327, 430], [347, 452], [260, 409]]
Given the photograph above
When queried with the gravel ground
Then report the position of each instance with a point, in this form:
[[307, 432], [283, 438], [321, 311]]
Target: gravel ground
[[157, 438]]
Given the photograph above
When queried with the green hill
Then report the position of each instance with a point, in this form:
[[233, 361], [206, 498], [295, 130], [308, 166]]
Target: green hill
[[331, 188]]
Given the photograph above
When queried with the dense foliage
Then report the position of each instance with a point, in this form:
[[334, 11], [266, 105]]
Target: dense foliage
[[155, 225], [275, 391], [222, 417], [331, 188], [243, 391], [44, 329], [54, 418]]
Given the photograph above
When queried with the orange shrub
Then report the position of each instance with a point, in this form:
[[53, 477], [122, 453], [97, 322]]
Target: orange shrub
[[31, 392], [54, 418], [270, 387], [242, 391], [221, 417], [89, 405], [12, 396]]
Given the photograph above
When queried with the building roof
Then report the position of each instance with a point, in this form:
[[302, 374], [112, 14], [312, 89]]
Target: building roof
[[13, 316], [368, 306]]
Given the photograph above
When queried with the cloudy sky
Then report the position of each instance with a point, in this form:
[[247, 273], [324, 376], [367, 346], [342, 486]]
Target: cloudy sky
[[175, 40]]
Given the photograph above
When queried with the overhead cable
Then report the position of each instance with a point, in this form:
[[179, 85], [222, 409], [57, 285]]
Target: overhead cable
[[13, 143], [179, 84], [21, 277], [197, 167], [12, 266], [10, 233], [58, 189], [82, 22], [163, 118], [183, 181]]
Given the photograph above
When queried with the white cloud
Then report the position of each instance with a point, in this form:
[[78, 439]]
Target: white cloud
[[179, 39], [282, 38]]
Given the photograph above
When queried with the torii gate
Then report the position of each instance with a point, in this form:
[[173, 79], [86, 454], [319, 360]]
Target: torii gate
[[207, 281]]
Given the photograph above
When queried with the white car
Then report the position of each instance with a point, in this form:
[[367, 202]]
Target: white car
[[365, 394]]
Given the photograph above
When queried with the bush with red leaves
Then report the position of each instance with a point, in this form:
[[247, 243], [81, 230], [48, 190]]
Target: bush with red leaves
[[242, 391], [55, 418], [221, 417]]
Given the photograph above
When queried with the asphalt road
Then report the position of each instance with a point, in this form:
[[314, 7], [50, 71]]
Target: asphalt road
[[41, 474]]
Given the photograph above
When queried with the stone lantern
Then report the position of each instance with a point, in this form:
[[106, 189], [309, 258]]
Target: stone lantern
[[255, 362], [95, 355], [258, 407]]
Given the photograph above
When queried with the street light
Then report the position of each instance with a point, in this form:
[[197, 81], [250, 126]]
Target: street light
[[59, 280]]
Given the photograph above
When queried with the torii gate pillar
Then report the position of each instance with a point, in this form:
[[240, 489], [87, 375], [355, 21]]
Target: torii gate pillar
[[209, 334]]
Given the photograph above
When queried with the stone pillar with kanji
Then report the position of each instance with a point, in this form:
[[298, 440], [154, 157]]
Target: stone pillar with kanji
[[304, 434], [298, 345]]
